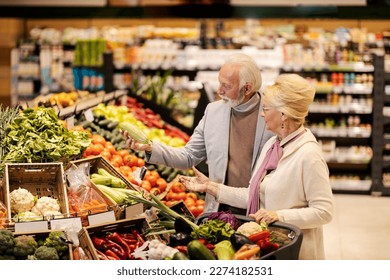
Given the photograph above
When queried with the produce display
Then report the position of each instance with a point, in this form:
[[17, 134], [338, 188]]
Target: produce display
[[41, 246]]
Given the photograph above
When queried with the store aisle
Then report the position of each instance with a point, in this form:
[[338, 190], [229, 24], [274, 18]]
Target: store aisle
[[360, 229]]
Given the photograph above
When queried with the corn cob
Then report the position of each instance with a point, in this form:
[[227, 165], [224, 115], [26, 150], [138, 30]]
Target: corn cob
[[101, 180], [134, 132]]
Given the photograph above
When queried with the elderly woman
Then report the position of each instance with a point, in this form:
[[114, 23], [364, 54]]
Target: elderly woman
[[291, 183]]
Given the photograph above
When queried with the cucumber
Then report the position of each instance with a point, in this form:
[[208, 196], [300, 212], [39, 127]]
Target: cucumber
[[180, 256], [198, 251], [104, 123], [112, 125]]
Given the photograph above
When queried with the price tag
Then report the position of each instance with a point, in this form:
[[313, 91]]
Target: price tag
[[101, 218], [61, 224], [89, 115], [32, 226], [134, 210], [70, 122]]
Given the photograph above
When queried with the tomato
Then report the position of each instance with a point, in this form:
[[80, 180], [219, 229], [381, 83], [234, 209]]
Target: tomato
[[97, 149], [123, 153], [199, 202], [111, 148], [178, 187], [192, 195], [106, 154], [146, 185], [192, 209], [155, 173], [161, 184], [174, 196], [181, 196], [140, 162], [98, 139], [152, 179], [196, 210], [155, 191], [189, 202], [117, 158]]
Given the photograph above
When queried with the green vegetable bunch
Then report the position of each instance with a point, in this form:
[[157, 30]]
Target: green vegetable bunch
[[55, 240], [37, 135], [213, 231]]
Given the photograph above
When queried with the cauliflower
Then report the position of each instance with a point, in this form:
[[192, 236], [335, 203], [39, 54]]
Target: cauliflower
[[7, 242], [45, 204], [21, 200], [44, 253], [249, 228], [24, 245], [26, 216]]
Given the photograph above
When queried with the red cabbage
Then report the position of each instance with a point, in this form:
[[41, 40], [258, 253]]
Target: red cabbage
[[227, 217]]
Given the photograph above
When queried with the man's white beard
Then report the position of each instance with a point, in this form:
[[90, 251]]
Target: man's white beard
[[233, 103]]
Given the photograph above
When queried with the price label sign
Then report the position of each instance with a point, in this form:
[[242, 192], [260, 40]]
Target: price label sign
[[70, 122], [32, 226], [101, 218], [65, 223], [88, 114], [134, 210]]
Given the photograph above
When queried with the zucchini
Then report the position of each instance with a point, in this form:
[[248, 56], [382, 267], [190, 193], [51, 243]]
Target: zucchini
[[112, 125], [180, 256], [104, 123], [198, 251]]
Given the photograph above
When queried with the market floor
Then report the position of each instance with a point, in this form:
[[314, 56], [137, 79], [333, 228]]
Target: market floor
[[360, 229]]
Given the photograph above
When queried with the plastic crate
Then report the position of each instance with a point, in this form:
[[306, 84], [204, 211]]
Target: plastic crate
[[41, 179], [289, 251], [123, 226]]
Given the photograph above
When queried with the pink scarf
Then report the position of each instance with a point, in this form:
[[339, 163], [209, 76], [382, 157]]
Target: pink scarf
[[269, 163]]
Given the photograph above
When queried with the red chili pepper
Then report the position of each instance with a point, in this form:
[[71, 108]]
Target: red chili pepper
[[109, 253], [99, 243], [210, 246], [116, 248], [259, 235], [101, 255], [181, 248], [138, 236], [118, 239], [128, 235], [130, 241]]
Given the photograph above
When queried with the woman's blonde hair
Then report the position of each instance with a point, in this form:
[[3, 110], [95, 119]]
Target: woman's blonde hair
[[292, 95]]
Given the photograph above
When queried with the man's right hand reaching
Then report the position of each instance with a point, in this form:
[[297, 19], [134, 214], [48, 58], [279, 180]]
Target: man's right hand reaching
[[134, 145]]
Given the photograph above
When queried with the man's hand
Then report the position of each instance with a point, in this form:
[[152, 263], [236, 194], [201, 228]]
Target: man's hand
[[134, 145], [197, 183]]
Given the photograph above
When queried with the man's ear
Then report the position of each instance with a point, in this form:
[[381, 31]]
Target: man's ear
[[284, 117], [248, 88]]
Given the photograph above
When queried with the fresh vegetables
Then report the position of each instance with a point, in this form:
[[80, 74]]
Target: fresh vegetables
[[24, 245], [44, 253], [46, 205], [198, 251], [213, 231], [247, 252], [118, 245], [227, 217], [238, 240], [134, 132], [251, 227], [155, 250], [224, 250], [7, 242], [38, 134], [21, 200]]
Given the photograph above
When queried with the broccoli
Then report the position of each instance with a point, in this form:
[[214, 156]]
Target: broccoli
[[7, 242], [24, 245], [56, 240], [45, 253], [6, 257]]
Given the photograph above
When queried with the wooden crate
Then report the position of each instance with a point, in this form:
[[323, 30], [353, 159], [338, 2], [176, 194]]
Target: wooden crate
[[122, 226], [41, 179]]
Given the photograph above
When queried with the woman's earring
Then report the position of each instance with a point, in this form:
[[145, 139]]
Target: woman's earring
[[282, 125]]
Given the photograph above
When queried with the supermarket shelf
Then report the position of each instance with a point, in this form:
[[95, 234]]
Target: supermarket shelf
[[348, 165]]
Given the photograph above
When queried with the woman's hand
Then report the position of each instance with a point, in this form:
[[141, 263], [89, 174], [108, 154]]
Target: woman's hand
[[197, 183], [263, 215], [134, 145]]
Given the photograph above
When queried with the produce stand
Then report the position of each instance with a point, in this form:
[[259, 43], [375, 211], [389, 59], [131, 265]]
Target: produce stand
[[289, 251]]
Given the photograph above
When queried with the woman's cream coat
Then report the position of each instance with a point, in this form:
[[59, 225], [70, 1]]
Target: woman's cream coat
[[298, 190]]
